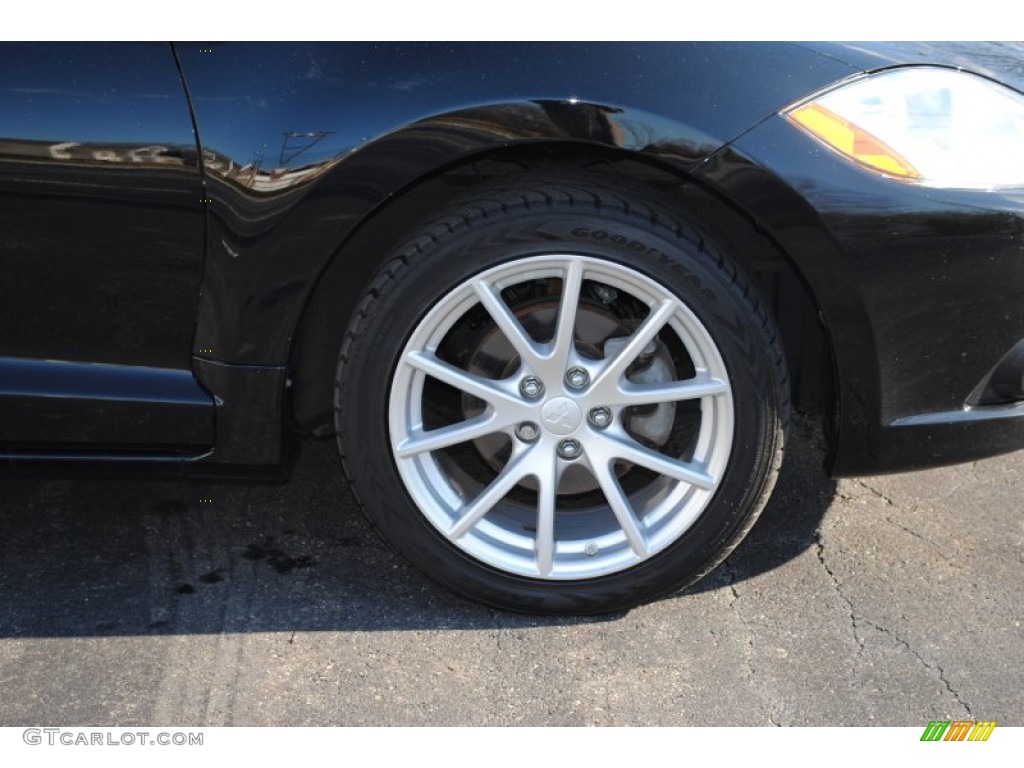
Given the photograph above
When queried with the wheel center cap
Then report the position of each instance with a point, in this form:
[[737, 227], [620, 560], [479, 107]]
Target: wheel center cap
[[561, 415]]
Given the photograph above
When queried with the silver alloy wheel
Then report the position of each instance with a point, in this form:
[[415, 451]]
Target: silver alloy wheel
[[519, 520]]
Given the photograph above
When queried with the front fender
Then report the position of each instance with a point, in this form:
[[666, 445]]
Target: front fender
[[301, 143]]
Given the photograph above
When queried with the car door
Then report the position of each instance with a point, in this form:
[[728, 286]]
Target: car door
[[101, 250]]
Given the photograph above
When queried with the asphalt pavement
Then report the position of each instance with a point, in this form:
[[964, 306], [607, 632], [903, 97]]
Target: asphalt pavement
[[875, 601]]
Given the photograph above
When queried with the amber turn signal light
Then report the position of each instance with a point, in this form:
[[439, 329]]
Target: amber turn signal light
[[852, 141]]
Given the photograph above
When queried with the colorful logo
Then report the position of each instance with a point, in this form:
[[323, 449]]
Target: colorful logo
[[958, 730]]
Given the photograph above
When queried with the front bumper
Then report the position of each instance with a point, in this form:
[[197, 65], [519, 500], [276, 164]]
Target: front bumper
[[920, 291]]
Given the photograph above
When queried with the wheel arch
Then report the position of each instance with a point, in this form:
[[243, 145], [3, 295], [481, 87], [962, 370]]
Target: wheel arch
[[347, 276]]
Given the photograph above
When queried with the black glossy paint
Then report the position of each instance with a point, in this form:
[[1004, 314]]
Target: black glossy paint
[[250, 412], [919, 289], [1005, 382], [381, 117], [102, 240], [999, 61], [51, 405], [111, 254], [101, 208]]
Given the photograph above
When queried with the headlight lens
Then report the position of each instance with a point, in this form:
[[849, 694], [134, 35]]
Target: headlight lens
[[932, 126]]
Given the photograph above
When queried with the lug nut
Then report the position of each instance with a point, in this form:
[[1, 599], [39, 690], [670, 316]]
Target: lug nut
[[569, 449], [531, 387], [527, 431], [577, 378], [600, 417]]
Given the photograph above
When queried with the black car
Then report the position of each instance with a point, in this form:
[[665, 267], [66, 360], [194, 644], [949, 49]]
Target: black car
[[556, 301]]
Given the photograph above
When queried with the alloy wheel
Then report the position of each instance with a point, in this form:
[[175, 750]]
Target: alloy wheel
[[561, 417]]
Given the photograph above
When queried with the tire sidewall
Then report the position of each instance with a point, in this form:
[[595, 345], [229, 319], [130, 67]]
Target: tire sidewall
[[685, 260]]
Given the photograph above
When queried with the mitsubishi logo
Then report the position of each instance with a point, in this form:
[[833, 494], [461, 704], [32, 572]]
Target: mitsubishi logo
[[561, 415]]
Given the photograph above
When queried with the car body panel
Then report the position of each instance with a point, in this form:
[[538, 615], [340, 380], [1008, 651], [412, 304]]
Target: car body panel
[[102, 247], [182, 262], [914, 325], [1001, 61], [101, 408], [293, 167]]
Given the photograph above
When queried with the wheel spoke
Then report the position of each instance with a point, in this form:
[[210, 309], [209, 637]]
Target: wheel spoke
[[547, 492], [642, 336], [556, 423], [632, 451], [564, 340], [628, 393], [452, 434], [474, 512], [621, 507], [462, 380], [507, 322]]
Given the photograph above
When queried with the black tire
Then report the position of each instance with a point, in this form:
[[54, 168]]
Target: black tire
[[579, 216]]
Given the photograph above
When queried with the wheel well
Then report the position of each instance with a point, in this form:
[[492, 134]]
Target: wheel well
[[351, 270]]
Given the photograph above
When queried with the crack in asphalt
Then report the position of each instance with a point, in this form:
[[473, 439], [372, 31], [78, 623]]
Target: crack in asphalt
[[752, 675], [875, 491], [819, 550], [889, 502], [929, 542], [932, 667], [856, 621]]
